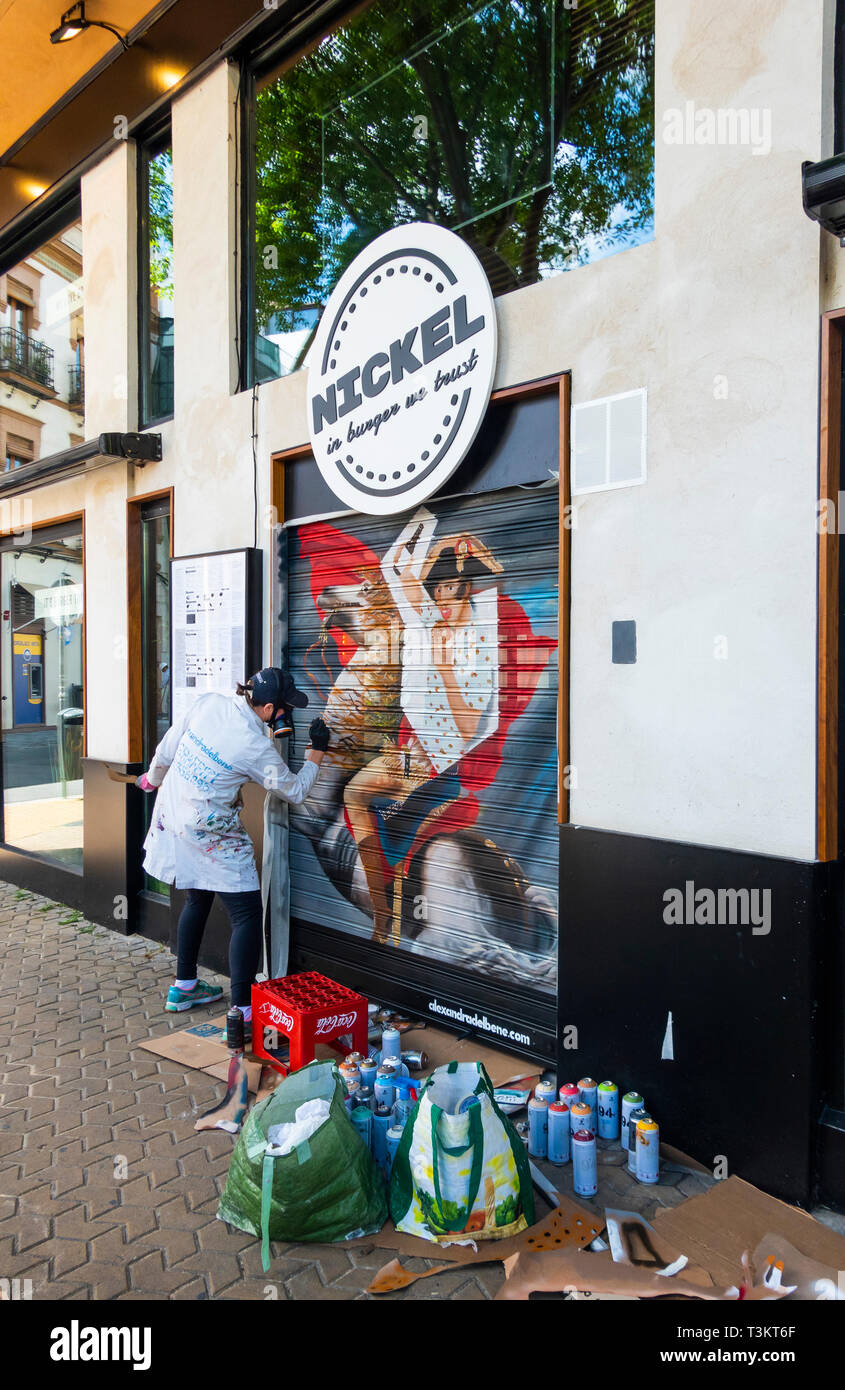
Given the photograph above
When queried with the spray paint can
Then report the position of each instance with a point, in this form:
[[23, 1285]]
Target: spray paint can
[[608, 1110], [368, 1068], [394, 1136], [350, 1075], [580, 1116], [568, 1093], [538, 1127], [584, 1163], [364, 1096], [587, 1089], [546, 1090], [391, 1045], [415, 1060], [558, 1132], [638, 1114], [648, 1151], [362, 1119], [631, 1101], [383, 1086], [354, 1059], [382, 1121], [406, 1099], [235, 1030]]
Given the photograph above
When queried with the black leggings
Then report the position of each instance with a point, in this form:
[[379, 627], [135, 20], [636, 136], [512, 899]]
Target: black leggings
[[245, 915]]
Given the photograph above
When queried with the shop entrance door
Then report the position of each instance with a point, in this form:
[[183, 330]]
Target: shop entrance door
[[432, 839], [150, 530]]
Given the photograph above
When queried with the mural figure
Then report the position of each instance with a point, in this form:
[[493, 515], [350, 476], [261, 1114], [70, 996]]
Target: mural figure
[[436, 663]]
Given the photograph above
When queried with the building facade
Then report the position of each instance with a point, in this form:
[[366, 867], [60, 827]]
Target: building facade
[[641, 876]]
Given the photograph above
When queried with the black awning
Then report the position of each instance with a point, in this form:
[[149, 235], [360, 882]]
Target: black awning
[[93, 453]]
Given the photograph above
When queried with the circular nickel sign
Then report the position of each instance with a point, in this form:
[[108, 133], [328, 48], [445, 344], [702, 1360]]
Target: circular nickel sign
[[401, 368]]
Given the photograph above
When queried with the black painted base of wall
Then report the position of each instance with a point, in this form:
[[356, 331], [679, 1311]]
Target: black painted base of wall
[[744, 1088]]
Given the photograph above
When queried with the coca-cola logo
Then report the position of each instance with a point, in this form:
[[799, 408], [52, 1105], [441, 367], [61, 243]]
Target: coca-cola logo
[[277, 1016], [337, 1022]]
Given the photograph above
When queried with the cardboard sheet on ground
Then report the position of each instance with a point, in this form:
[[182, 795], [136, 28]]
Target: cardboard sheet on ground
[[715, 1228], [202, 1047], [569, 1224]]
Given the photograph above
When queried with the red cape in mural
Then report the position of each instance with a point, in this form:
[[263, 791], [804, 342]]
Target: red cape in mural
[[337, 558]]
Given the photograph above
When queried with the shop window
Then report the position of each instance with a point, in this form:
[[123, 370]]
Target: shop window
[[609, 442], [41, 322], [43, 709], [528, 128], [156, 306]]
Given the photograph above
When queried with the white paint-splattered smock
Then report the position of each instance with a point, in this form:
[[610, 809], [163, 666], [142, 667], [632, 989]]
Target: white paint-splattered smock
[[196, 838]]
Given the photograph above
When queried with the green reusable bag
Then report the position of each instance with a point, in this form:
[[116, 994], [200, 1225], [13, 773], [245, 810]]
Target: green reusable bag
[[326, 1189], [460, 1176]]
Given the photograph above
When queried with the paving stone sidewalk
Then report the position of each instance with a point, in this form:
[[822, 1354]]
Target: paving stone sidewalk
[[106, 1191]]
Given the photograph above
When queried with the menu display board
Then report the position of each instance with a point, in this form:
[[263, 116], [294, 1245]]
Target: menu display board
[[213, 624]]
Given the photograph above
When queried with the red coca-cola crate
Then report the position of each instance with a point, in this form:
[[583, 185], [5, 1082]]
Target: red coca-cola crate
[[305, 1010]]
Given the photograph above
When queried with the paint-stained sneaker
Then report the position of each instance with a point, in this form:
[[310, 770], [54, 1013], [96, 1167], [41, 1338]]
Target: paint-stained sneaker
[[180, 999]]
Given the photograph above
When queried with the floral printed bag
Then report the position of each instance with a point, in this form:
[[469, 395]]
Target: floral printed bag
[[461, 1171]]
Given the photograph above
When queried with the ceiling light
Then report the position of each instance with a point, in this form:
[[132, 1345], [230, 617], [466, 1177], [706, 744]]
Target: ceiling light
[[74, 22]]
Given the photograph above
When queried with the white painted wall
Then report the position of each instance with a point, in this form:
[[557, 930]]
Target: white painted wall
[[719, 543]]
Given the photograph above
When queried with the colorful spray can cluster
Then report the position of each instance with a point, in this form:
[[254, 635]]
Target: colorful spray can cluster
[[584, 1163], [608, 1110], [559, 1132], [538, 1127]]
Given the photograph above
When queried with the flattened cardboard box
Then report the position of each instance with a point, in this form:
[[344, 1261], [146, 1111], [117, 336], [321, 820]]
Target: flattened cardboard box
[[715, 1228], [202, 1046]]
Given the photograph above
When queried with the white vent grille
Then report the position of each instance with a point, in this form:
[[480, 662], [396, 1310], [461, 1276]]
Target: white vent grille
[[609, 442]]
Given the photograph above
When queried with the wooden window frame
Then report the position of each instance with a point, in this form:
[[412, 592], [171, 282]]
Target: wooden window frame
[[562, 384], [134, 635]]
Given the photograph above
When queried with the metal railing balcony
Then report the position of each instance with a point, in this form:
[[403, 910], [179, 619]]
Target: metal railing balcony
[[27, 357], [76, 385]]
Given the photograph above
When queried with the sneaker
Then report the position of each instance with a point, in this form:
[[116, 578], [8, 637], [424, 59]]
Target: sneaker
[[180, 999]]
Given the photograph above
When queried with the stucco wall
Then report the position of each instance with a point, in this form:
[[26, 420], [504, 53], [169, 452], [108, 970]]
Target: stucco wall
[[714, 556]]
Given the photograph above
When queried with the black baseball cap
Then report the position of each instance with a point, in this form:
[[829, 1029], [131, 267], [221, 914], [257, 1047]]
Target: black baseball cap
[[273, 686]]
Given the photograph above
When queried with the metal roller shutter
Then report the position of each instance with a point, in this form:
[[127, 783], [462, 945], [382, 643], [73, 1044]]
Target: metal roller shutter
[[433, 826]]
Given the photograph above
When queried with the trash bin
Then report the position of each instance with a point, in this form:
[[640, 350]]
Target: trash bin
[[70, 730]]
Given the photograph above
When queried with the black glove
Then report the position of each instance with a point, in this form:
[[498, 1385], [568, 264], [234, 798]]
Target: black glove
[[318, 732]]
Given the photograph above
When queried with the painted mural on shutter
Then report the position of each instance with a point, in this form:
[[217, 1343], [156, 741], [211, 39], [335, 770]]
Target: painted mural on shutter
[[430, 640]]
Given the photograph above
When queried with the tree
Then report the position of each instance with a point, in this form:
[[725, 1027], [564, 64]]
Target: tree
[[525, 125]]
